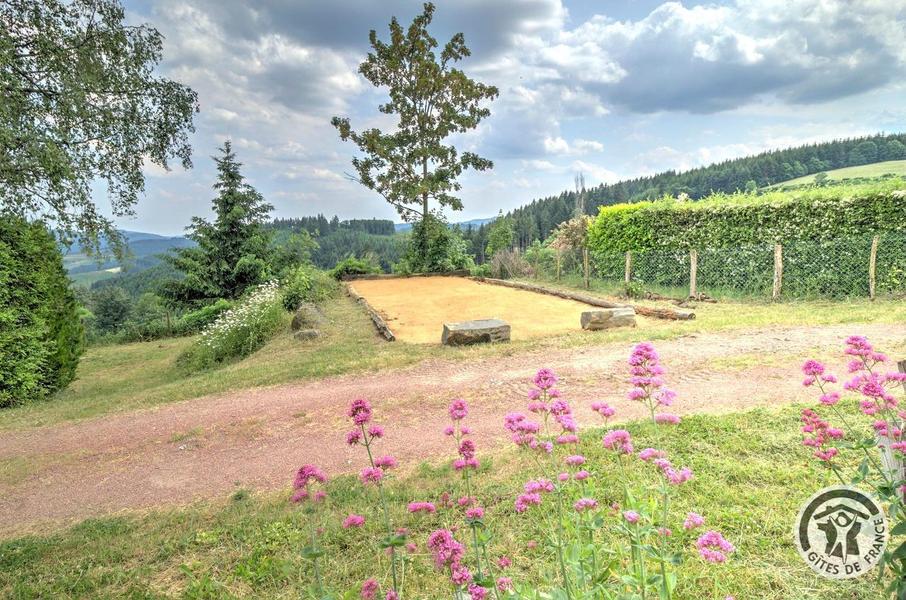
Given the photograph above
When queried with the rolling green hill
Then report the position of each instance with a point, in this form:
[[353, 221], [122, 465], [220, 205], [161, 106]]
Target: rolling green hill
[[870, 171]]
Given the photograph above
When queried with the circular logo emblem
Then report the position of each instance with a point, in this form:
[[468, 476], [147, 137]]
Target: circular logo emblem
[[841, 532]]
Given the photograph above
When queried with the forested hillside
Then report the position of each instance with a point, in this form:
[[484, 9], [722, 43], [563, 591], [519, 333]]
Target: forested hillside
[[536, 220]]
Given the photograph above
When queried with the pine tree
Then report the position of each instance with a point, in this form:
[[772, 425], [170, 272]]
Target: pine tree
[[232, 253]]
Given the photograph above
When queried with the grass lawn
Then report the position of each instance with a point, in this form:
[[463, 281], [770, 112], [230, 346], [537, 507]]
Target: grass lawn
[[889, 167], [131, 376], [751, 475]]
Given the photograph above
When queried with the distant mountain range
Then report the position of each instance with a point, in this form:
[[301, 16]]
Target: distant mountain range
[[403, 227], [145, 250]]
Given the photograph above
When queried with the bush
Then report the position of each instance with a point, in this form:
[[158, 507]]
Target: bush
[[435, 248], [196, 320], [509, 263], [41, 334], [355, 266], [239, 331], [306, 284]]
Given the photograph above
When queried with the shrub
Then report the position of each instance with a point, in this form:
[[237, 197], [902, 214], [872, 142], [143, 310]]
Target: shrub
[[196, 320], [355, 266], [509, 263], [238, 331], [306, 284], [41, 334], [435, 248]]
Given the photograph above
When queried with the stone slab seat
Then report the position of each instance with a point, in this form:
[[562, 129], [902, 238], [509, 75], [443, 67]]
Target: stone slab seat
[[608, 318], [481, 331]]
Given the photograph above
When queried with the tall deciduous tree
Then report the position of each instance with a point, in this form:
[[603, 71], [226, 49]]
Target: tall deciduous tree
[[233, 252], [411, 166], [80, 102]]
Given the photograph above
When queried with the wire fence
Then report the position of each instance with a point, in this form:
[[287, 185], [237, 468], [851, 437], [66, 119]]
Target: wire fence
[[847, 267]]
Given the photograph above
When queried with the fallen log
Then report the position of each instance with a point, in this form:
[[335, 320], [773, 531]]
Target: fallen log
[[648, 311], [376, 318]]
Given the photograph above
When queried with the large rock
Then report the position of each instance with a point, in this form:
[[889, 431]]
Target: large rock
[[307, 316], [608, 318], [482, 331]]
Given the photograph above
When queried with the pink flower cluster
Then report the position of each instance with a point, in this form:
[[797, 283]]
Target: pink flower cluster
[[692, 521], [448, 554], [821, 434], [425, 507], [603, 409], [618, 440], [673, 476], [303, 484], [353, 521], [713, 547], [646, 377]]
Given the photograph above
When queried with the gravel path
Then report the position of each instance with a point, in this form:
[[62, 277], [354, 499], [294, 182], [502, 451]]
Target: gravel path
[[208, 446]]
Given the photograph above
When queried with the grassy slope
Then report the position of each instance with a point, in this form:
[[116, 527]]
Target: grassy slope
[[751, 475], [890, 167], [132, 376]]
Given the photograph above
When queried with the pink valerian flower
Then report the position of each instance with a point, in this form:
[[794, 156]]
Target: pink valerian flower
[[692, 521], [385, 463], [538, 485], [563, 477], [369, 589], [567, 438], [303, 484], [354, 437], [448, 430], [646, 377], [476, 512], [465, 501], [459, 574], [581, 475], [822, 433], [631, 516], [618, 440], [666, 419], [537, 406], [391, 595], [583, 504], [651, 453], [467, 449], [575, 460], [353, 521], [458, 410], [376, 431], [603, 409], [447, 551], [545, 379], [875, 389], [425, 507], [504, 562], [371, 475], [713, 547], [677, 477], [476, 592], [360, 411], [504, 584], [528, 499]]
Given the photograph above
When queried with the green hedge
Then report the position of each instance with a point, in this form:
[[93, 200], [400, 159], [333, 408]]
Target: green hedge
[[41, 334], [723, 220]]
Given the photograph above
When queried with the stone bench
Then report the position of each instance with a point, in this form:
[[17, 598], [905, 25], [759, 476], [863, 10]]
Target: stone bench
[[608, 318], [482, 331]]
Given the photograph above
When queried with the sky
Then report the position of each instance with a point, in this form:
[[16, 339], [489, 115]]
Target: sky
[[612, 89]]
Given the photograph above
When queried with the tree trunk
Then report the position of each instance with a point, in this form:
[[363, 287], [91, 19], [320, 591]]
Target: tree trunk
[[427, 250]]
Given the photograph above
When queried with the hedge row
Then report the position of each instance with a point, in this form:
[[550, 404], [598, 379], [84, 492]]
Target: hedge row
[[732, 220]]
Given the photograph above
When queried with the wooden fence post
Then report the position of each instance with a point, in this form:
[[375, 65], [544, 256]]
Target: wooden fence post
[[693, 272], [778, 271], [628, 275], [872, 267], [558, 262], [585, 264]]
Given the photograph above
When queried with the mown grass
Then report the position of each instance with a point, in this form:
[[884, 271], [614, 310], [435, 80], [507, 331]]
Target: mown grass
[[751, 475], [889, 167], [126, 377]]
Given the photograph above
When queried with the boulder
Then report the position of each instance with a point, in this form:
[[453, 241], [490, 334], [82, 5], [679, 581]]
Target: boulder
[[608, 318], [307, 316], [307, 334], [482, 331]]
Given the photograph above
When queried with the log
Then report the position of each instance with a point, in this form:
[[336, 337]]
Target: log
[[377, 319], [675, 314], [460, 273]]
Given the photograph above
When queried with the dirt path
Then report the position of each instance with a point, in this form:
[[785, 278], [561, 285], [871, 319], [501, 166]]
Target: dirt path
[[208, 446]]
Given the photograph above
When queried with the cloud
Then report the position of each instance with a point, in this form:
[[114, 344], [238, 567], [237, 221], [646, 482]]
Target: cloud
[[711, 58]]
